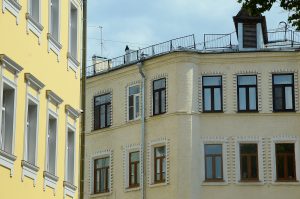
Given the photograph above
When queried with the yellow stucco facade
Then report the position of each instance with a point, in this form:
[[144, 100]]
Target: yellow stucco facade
[[40, 53]]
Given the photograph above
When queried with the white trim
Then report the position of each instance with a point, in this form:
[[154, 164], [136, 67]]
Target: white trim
[[285, 139], [13, 7], [127, 103], [97, 155], [214, 140], [151, 145], [126, 151], [50, 181], [29, 171], [249, 140], [72, 128]]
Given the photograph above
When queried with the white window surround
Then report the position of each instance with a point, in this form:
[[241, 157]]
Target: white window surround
[[13, 7], [126, 151], [214, 140], [97, 155], [285, 139], [7, 160], [249, 140], [73, 60], [32, 24], [69, 187], [29, 169], [151, 145], [127, 102], [54, 44]]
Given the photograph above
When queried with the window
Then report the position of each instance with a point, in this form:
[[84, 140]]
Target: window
[[54, 19], [31, 132], [249, 162], [52, 142], [213, 162], [283, 92], [247, 93], [73, 31], [160, 164], [101, 175], [70, 155], [34, 9], [134, 102], [134, 169], [212, 93], [8, 117], [285, 162], [102, 111], [159, 96]]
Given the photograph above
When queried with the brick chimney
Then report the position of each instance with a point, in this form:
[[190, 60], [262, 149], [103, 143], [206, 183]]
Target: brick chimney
[[251, 30]]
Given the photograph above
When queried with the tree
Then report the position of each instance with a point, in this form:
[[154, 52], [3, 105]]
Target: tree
[[260, 6]]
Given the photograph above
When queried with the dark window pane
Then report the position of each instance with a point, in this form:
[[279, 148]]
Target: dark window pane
[[247, 80], [108, 113], [212, 81], [208, 162], [137, 106], [283, 79], [244, 167], [158, 84], [156, 102], [291, 168], [248, 148], [134, 156], [163, 101], [242, 99], [278, 94], [102, 116], [134, 90], [213, 149], [284, 148], [160, 151], [254, 165], [280, 166], [218, 167]]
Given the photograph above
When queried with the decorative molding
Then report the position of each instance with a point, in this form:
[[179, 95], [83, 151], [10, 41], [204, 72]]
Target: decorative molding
[[150, 95], [13, 7], [50, 180], [10, 65], [69, 189], [54, 45], [53, 97], [34, 26], [29, 170], [7, 160], [96, 155], [33, 82], [72, 112], [126, 150], [150, 162], [225, 156]]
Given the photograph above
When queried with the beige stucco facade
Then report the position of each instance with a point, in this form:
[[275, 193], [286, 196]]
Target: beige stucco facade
[[184, 128]]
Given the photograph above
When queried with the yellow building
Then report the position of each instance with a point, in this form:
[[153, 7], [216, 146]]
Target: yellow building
[[40, 49]]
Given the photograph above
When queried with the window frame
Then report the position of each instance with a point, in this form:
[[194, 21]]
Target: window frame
[[249, 165], [72, 3], [73, 129], [285, 155], [39, 11], [107, 111], [160, 112], [214, 179], [136, 170], [161, 160], [134, 101], [107, 170], [59, 21], [292, 85], [247, 87], [212, 95]]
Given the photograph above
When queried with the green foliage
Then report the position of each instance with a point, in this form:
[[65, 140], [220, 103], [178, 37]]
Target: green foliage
[[260, 6]]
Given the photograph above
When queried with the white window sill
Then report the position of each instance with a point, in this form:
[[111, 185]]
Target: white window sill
[[129, 189], [50, 180], [224, 183], [13, 7], [34, 26], [69, 189], [100, 195], [253, 183], [54, 45], [73, 62], [7, 160], [158, 184], [29, 170]]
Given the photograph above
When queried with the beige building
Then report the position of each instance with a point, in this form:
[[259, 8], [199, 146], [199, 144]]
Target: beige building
[[186, 123]]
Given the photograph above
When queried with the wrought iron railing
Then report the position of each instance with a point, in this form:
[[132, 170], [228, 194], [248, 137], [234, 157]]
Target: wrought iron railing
[[187, 42], [282, 38], [217, 41]]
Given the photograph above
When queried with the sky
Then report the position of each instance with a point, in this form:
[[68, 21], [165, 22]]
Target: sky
[[141, 23]]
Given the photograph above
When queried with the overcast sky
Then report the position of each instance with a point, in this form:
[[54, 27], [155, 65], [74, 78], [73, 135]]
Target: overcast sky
[[139, 23]]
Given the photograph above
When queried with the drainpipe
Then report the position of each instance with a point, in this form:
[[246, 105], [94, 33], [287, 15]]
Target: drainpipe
[[83, 81], [142, 134]]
